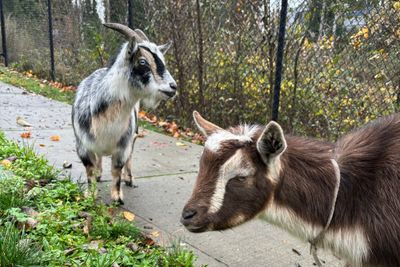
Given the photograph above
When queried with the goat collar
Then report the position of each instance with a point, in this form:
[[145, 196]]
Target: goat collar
[[314, 242]]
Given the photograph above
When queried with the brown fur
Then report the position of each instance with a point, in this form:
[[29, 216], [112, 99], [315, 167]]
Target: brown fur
[[369, 195], [102, 118]]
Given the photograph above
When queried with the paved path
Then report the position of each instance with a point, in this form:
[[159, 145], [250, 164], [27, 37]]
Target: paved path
[[165, 174]]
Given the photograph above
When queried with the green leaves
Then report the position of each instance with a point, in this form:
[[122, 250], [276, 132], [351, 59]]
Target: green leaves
[[27, 165], [16, 249]]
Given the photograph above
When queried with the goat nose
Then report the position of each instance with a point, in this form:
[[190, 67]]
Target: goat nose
[[188, 214], [173, 86]]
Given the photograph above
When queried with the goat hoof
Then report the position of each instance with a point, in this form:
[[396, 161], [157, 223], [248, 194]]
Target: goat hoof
[[98, 178], [129, 183]]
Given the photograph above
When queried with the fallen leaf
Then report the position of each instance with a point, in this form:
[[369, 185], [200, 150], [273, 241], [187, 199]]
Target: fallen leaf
[[42, 145], [26, 135], [181, 144], [129, 215], [22, 122], [162, 123], [154, 119], [177, 135], [149, 242], [5, 162], [155, 233], [55, 138], [142, 114], [28, 224], [173, 128]]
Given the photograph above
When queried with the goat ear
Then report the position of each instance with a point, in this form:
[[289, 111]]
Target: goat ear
[[132, 48], [164, 48], [272, 142], [141, 34], [206, 127]]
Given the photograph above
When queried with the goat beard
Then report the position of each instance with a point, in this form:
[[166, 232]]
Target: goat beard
[[151, 103]]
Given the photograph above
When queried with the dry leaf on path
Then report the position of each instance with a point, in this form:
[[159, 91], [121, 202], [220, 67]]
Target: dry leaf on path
[[149, 242], [155, 233], [55, 138], [181, 144], [129, 215], [26, 135], [42, 145], [22, 122]]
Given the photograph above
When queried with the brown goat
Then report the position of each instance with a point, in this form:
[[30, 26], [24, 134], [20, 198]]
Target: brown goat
[[248, 172]]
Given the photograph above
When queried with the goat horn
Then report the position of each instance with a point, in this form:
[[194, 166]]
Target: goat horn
[[125, 30], [142, 35]]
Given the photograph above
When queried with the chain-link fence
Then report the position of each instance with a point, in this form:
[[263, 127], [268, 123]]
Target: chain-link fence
[[341, 58]]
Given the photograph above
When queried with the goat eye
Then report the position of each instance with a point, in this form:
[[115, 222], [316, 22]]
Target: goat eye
[[240, 178], [142, 62]]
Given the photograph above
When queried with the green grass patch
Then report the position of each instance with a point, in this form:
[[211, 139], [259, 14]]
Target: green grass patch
[[11, 192], [69, 228], [26, 163], [16, 249], [35, 86]]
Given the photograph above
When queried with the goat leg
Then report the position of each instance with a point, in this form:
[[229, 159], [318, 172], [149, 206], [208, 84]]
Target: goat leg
[[127, 172], [99, 168], [116, 172]]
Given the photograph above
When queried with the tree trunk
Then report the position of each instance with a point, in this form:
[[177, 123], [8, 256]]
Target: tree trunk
[[200, 58], [322, 20], [269, 32]]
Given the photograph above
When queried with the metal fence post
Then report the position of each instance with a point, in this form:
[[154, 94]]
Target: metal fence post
[[3, 35], [50, 21], [130, 14], [279, 60]]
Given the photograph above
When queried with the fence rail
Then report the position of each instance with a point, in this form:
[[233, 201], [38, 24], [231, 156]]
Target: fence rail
[[341, 60]]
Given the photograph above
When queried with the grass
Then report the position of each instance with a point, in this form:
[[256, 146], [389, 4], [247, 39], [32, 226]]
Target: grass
[[27, 164], [16, 249], [35, 85], [70, 229], [11, 192]]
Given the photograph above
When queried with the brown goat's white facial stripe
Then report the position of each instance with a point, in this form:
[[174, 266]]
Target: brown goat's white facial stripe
[[351, 242], [235, 166], [214, 141]]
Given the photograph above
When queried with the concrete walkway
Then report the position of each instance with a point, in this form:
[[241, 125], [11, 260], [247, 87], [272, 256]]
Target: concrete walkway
[[165, 174]]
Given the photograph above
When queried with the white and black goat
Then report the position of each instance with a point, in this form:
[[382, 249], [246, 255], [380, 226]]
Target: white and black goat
[[342, 196], [105, 111]]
